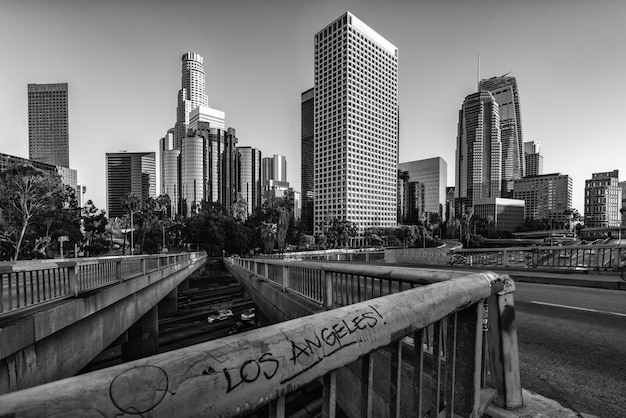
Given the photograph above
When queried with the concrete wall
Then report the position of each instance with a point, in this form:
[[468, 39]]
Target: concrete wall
[[58, 340]]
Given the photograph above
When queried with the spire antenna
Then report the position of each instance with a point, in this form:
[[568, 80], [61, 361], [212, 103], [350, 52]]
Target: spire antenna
[[478, 73]]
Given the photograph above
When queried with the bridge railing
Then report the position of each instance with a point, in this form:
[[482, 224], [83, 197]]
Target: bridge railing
[[334, 285], [28, 283], [584, 257], [438, 373], [364, 255]]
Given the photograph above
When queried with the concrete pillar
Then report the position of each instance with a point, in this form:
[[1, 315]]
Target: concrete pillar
[[143, 337], [169, 303]]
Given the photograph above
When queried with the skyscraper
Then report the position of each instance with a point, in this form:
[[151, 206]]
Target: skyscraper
[[432, 173], [504, 90], [191, 95], [274, 168], [356, 125], [48, 128], [198, 154], [248, 175], [307, 111], [533, 159], [478, 151], [170, 160], [128, 172]]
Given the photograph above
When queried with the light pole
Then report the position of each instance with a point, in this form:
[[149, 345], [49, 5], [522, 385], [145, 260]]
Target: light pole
[[132, 230]]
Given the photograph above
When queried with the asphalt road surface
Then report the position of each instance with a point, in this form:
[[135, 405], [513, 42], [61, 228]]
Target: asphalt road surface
[[572, 344]]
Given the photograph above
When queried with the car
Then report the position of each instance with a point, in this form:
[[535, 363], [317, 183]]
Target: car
[[248, 315], [240, 326], [221, 315]]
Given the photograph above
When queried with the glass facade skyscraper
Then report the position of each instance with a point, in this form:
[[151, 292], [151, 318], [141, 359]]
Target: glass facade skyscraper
[[478, 151], [307, 111], [128, 172], [504, 90], [48, 126], [432, 173], [355, 125], [248, 175]]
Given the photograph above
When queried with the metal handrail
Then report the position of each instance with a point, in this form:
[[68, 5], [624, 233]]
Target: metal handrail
[[332, 285], [239, 374], [587, 257], [25, 284]]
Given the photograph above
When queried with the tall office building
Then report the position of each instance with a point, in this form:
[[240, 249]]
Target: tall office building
[[603, 199], [504, 90], [273, 168], [547, 196], [533, 159], [48, 128], [198, 154], [432, 173], [307, 111], [478, 150], [191, 95], [356, 125], [248, 175], [411, 199], [170, 160], [128, 172]]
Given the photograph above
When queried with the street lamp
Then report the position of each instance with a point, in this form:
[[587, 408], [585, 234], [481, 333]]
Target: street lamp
[[132, 232]]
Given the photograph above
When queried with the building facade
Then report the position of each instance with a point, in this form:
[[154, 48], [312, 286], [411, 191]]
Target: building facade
[[533, 159], [547, 196], [128, 173], [273, 168], [603, 200], [248, 175], [505, 93], [355, 125], [307, 112], [48, 124], [432, 173], [507, 214], [478, 168], [68, 175]]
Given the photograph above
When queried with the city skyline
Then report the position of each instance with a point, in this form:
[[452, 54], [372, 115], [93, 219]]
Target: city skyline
[[121, 63]]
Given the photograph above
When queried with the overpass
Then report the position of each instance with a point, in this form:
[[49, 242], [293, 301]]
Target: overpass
[[57, 315], [385, 341]]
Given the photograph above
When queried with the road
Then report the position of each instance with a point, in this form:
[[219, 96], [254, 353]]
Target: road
[[572, 344]]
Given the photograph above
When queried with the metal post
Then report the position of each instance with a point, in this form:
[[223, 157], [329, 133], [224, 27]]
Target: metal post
[[285, 278], [329, 289]]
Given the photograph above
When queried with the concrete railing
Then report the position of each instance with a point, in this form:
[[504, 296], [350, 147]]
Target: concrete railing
[[581, 257], [334, 285], [28, 283], [441, 327]]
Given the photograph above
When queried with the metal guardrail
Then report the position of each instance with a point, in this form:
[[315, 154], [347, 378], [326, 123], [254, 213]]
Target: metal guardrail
[[486, 331], [582, 257], [239, 374], [330, 255], [28, 283]]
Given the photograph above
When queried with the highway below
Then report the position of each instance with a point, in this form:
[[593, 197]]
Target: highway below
[[572, 344]]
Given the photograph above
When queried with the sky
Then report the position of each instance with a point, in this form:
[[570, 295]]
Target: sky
[[122, 61]]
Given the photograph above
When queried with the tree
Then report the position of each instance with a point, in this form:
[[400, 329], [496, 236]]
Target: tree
[[94, 224], [468, 213], [32, 202], [239, 208]]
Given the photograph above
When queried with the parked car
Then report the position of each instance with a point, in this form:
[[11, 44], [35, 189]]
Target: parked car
[[221, 315], [248, 315]]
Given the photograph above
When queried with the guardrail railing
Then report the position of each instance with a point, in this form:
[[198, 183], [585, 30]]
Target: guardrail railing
[[583, 257], [28, 283], [492, 341], [441, 373], [365, 255]]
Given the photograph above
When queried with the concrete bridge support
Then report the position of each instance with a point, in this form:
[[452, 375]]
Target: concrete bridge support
[[143, 337]]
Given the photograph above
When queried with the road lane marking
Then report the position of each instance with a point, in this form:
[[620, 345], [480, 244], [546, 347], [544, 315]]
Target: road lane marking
[[577, 308]]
